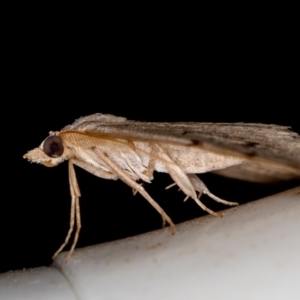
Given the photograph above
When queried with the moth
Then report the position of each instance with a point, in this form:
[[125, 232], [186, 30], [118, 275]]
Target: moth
[[114, 148]]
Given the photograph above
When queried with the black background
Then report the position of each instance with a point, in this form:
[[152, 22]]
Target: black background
[[58, 76]]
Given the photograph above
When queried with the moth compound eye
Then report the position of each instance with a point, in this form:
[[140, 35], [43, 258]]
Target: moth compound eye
[[53, 146]]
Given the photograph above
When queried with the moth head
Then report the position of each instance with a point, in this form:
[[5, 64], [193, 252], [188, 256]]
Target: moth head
[[50, 153]]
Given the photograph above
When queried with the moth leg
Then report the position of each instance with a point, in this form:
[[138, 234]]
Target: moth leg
[[98, 172], [75, 212], [124, 177], [183, 181], [169, 186], [134, 191], [202, 188], [150, 168], [76, 193]]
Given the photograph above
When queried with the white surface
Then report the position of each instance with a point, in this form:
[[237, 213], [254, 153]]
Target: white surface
[[251, 253], [35, 284]]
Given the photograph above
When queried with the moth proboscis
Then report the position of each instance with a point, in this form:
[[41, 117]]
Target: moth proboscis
[[114, 148]]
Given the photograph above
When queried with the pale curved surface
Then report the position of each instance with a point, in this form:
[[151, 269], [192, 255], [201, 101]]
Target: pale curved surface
[[251, 253], [35, 284]]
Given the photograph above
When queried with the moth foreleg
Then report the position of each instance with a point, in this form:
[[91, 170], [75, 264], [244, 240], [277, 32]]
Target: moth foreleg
[[76, 192], [124, 177], [75, 212], [202, 188]]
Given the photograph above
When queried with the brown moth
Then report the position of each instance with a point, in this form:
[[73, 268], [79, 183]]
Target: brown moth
[[113, 147]]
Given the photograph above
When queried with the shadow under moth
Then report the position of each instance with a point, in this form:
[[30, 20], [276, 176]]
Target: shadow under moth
[[114, 148]]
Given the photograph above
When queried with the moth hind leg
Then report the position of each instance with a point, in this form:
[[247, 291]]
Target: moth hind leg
[[196, 185], [188, 185], [201, 188]]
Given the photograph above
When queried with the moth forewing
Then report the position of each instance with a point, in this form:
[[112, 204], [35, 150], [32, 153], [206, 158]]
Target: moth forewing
[[112, 147], [265, 143]]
